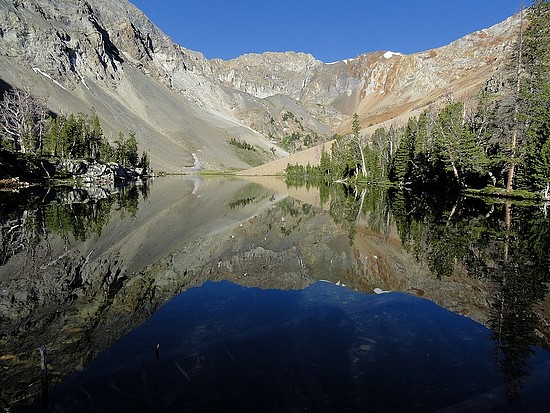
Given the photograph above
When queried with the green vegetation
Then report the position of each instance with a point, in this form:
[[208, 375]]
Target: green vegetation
[[241, 144], [29, 129], [297, 141], [81, 137], [503, 141], [248, 153], [241, 202]]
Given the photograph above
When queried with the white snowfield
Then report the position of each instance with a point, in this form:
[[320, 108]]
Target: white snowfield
[[389, 55]]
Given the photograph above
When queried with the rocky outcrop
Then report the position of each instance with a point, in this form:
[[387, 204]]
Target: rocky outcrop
[[101, 174]]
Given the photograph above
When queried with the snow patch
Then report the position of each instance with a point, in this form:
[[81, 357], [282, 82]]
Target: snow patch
[[83, 82], [40, 72], [389, 55], [339, 61]]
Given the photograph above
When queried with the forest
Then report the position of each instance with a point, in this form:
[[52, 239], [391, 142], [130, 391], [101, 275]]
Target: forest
[[499, 143]]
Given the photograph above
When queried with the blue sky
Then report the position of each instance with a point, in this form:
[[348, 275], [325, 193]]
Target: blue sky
[[330, 30]]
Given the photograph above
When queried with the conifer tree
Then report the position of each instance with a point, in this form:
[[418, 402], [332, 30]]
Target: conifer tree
[[456, 143], [94, 137], [516, 109], [345, 156], [400, 170], [131, 155]]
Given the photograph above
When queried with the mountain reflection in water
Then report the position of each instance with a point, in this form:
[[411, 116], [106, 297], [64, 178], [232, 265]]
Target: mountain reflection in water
[[325, 348], [79, 291]]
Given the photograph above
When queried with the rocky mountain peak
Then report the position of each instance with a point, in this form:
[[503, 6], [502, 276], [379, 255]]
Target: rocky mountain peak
[[269, 73]]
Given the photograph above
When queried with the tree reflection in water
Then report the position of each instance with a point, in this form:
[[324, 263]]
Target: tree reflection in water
[[500, 242], [505, 244], [30, 216]]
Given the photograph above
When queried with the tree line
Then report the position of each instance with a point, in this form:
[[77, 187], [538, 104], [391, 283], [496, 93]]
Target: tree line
[[503, 140], [28, 127]]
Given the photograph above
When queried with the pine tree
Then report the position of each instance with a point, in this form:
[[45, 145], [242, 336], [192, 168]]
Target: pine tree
[[401, 164], [106, 152], [325, 163], [514, 143], [456, 143], [94, 137], [356, 132], [131, 150], [345, 156], [541, 170], [119, 152], [144, 162], [51, 140]]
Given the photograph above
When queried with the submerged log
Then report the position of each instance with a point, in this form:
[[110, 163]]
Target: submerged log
[[44, 377]]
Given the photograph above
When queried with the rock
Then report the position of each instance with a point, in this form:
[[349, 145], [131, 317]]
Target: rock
[[75, 167], [105, 175]]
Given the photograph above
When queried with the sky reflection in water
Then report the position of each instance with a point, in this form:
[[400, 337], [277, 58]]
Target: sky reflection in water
[[223, 347]]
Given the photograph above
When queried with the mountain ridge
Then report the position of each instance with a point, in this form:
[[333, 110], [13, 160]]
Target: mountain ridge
[[111, 57]]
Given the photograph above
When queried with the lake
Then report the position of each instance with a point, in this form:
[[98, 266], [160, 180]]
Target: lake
[[209, 294]]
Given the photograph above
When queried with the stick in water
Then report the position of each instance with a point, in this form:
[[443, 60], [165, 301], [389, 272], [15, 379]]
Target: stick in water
[[44, 377]]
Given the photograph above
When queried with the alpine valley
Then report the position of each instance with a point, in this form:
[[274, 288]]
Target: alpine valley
[[108, 57]]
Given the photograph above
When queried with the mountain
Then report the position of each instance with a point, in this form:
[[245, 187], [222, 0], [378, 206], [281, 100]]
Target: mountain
[[108, 56]]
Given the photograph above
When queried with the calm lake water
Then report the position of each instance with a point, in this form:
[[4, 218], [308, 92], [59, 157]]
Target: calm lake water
[[215, 294]]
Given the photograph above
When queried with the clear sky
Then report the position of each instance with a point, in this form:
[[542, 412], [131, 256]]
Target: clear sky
[[330, 30]]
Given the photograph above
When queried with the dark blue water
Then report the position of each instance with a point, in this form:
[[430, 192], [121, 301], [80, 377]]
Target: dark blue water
[[225, 348]]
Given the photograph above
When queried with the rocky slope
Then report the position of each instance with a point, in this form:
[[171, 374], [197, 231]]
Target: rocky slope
[[381, 85], [109, 56]]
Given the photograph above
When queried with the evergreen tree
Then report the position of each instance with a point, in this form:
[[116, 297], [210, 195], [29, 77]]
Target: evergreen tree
[[457, 145], [144, 161], [488, 132], [401, 165], [380, 145], [424, 165], [72, 137], [119, 150], [94, 137], [345, 156], [131, 155], [51, 140], [541, 170], [356, 133], [106, 152], [325, 163]]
